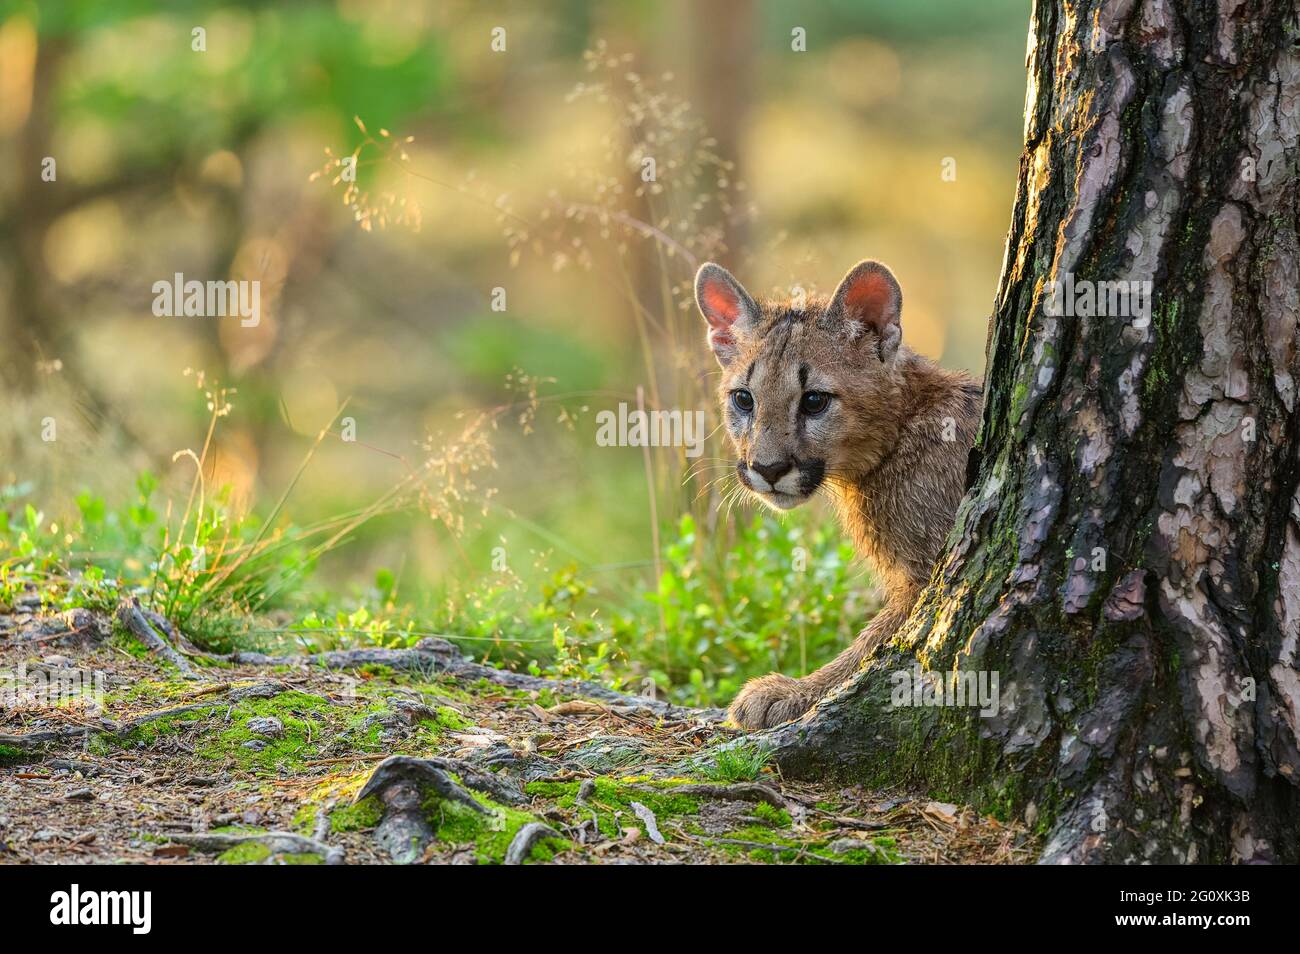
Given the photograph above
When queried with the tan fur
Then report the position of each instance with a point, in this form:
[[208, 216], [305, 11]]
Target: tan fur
[[893, 478]]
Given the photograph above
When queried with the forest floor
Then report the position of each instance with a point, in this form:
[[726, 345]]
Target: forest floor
[[171, 756]]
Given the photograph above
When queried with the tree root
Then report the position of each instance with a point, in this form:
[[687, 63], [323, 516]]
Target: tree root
[[432, 655], [798, 851], [277, 842], [521, 846], [132, 615], [496, 788], [739, 792], [855, 725], [399, 782], [43, 737], [423, 772]]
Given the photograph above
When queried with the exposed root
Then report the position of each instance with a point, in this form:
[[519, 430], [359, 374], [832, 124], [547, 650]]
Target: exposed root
[[399, 783], [43, 737], [164, 770], [423, 772], [433, 655], [740, 792], [498, 789], [277, 842], [131, 615], [521, 846]]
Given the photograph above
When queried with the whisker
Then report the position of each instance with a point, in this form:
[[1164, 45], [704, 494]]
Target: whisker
[[711, 484], [697, 469]]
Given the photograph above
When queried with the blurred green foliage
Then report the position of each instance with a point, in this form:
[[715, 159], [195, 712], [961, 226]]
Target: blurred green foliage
[[173, 161], [781, 596]]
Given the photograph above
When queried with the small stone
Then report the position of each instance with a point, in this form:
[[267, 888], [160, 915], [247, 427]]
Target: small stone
[[254, 745], [266, 726]]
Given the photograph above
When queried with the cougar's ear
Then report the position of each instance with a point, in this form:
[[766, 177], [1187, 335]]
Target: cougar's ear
[[870, 294], [728, 309]]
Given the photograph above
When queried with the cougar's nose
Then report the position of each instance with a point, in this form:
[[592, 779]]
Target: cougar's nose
[[773, 472]]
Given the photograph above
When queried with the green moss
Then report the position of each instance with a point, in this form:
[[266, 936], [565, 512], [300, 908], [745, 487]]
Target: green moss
[[490, 834], [778, 817], [449, 718], [123, 640], [1002, 800], [1019, 394], [884, 852], [10, 752], [781, 848], [151, 692], [376, 679], [149, 733], [156, 693], [303, 717], [546, 849], [253, 853], [447, 691], [337, 793], [247, 853], [612, 800], [363, 816]]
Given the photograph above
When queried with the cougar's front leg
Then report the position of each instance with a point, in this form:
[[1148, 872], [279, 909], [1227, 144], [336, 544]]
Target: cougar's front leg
[[773, 699]]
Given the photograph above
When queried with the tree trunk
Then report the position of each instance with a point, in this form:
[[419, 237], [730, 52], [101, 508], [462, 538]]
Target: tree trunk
[[723, 41], [1127, 559]]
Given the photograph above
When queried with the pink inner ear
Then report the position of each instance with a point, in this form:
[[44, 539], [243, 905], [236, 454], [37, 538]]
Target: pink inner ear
[[870, 296], [721, 306]]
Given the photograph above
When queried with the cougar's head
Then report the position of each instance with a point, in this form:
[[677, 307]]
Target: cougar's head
[[809, 394]]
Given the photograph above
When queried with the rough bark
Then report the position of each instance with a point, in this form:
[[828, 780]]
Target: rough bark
[[1127, 558]]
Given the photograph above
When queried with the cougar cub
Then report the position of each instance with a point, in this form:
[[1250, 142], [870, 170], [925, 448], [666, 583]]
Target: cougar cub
[[826, 397]]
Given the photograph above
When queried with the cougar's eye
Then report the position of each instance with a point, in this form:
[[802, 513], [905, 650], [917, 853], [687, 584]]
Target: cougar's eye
[[814, 402], [743, 400]]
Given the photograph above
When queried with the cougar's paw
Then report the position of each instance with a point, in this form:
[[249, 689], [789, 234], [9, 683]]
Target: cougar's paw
[[770, 700]]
